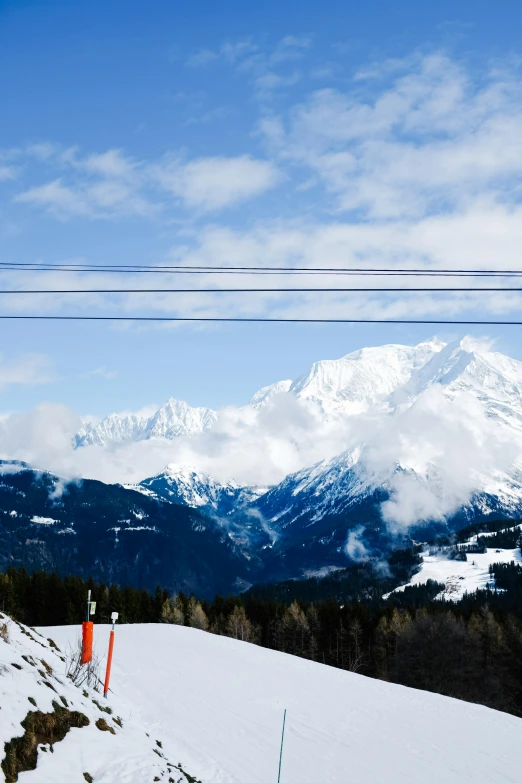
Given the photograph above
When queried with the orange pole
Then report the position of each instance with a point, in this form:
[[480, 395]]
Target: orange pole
[[109, 663], [87, 635]]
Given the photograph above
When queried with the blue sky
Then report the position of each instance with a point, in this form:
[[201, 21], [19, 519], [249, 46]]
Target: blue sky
[[278, 134]]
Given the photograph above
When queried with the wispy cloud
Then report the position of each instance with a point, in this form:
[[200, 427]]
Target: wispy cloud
[[29, 370], [266, 67], [428, 138], [110, 184], [100, 372]]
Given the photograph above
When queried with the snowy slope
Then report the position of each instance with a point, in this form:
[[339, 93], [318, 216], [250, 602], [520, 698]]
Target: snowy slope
[[31, 668], [217, 704]]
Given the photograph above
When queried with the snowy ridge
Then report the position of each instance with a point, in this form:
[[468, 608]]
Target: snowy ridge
[[363, 378]]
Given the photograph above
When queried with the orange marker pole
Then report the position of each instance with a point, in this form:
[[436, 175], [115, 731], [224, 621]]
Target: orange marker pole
[[114, 617], [87, 633]]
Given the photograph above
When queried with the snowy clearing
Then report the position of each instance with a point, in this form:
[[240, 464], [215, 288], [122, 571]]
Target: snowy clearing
[[461, 576], [217, 706]]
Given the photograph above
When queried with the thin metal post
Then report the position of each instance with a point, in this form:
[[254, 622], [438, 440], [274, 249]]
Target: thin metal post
[[88, 605], [281, 751]]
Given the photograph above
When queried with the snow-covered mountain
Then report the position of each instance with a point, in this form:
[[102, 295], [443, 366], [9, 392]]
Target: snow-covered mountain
[[433, 437], [357, 381], [232, 507], [188, 487], [173, 419], [439, 446], [348, 385]]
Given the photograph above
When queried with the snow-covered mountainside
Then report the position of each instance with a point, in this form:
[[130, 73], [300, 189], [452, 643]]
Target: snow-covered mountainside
[[335, 487], [173, 419], [217, 705], [431, 434], [68, 733]]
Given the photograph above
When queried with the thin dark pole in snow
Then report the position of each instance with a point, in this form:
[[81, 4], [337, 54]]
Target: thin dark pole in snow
[[281, 751]]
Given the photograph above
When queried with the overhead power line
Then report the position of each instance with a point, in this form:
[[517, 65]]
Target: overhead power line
[[245, 270], [250, 290], [257, 320]]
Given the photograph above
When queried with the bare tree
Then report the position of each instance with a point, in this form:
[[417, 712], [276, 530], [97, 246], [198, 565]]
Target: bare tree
[[82, 674], [196, 615], [240, 627], [172, 611]]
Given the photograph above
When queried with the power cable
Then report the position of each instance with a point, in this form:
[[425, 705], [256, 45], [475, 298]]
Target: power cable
[[204, 270], [249, 290], [256, 320]]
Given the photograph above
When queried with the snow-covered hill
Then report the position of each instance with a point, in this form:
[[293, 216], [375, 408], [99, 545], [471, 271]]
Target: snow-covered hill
[[217, 705], [103, 743]]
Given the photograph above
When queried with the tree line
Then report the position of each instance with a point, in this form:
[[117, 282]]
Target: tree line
[[470, 650]]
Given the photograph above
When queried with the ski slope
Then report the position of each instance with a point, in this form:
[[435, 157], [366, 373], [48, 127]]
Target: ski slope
[[458, 576], [216, 705]]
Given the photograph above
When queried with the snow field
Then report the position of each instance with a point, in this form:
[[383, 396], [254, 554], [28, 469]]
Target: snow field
[[217, 705], [461, 576]]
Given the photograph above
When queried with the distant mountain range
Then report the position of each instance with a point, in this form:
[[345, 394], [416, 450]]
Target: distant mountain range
[[199, 533], [349, 386]]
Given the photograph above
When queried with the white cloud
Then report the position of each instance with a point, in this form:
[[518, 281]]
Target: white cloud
[[214, 183], [432, 140], [201, 58], [252, 447], [30, 370], [58, 198], [446, 448], [354, 546], [110, 184]]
